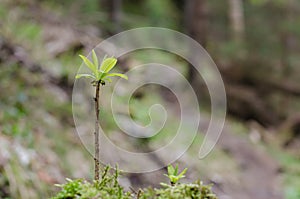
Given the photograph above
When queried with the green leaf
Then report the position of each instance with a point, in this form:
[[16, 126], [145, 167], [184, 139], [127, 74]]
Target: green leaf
[[176, 170], [95, 59], [114, 75], [181, 175], [164, 184], [100, 75], [170, 170], [89, 64], [107, 79], [104, 58], [108, 64], [85, 75], [173, 178]]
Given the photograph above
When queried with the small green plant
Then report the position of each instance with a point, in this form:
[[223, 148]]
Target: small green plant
[[100, 75], [108, 187], [173, 175], [196, 190]]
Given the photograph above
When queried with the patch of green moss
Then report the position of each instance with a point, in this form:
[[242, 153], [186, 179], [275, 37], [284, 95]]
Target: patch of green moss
[[108, 187], [193, 190]]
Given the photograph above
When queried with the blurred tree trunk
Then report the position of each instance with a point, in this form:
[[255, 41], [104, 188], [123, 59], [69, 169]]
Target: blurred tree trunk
[[237, 22], [287, 37], [114, 10], [195, 22], [286, 40]]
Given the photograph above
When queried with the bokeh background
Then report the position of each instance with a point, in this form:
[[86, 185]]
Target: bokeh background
[[255, 44]]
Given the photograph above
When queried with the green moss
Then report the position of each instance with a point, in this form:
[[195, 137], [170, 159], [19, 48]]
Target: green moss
[[108, 187], [193, 190]]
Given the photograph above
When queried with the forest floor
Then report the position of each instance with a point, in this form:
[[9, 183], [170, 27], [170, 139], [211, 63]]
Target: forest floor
[[38, 141]]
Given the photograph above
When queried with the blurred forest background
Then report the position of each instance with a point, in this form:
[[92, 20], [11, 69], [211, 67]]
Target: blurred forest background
[[255, 44]]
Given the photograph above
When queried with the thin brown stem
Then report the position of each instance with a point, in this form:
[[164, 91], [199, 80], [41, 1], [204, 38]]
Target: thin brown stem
[[96, 133]]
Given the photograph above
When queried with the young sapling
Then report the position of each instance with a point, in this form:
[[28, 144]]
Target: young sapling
[[173, 174], [100, 74]]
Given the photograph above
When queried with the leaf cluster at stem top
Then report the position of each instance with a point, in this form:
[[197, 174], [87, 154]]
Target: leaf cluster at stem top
[[100, 72]]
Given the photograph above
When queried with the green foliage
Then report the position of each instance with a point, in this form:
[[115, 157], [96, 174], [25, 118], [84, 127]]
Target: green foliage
[[151, 13], [193, 190], [290, 164], [173, 175], [162, 13], [108, 187], [100, 74]]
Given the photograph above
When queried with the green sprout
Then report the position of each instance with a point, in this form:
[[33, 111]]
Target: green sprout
[[173, 175], [100, 74]]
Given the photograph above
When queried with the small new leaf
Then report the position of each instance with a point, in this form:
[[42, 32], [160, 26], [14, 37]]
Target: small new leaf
[[108, 64], [85, 75], [89, 64], [95, 59], [170, 170], [173, 175], [181, 175], [107, 79], [116, 75], [176, 170]]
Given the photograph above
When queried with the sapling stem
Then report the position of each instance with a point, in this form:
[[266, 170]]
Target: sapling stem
[[99, 76], [96, 134]]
